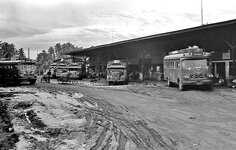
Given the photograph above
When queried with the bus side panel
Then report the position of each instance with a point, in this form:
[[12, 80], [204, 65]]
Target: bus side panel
[[171, 71], [174, 75]]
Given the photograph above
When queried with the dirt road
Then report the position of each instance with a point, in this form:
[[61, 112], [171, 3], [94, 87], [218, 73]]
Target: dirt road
[[94, 116]]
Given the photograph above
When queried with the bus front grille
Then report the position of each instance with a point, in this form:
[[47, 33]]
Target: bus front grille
[[115, 76], [198, 76]]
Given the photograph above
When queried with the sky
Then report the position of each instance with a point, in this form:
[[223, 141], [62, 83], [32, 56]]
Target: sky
[[39, 24]]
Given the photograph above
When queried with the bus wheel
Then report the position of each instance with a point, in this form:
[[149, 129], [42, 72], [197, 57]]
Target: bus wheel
[[74, 81], [209, 87], [32, 81], [170, 84], [181, 86], [17, 82]]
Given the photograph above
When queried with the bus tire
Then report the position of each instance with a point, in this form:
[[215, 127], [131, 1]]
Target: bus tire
[[181, 86], [17, 82], [209, 87], [169, 83], [32, 81]]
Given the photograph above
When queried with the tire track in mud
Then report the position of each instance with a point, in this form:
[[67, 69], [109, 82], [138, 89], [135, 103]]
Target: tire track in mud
[[129, 131], [122, 132], [7, 136]]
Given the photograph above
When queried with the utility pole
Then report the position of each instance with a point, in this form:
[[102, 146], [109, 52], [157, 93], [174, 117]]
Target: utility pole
[[201, 12], [233, 53], [142, 69], [28, 53], [112, 31]]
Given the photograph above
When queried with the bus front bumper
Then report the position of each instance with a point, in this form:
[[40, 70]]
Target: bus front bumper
[[198, 82], [116, 80]]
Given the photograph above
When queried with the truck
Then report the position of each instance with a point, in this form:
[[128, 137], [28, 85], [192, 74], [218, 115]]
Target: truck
[[117, 72]]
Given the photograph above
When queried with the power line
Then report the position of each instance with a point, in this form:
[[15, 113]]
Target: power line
[[201, 12]]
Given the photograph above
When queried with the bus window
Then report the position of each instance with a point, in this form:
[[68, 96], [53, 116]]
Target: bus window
[[194, 63], [177, 64]]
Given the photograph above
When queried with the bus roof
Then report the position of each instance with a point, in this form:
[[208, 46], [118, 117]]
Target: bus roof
[[116, 67], [53, 64], [16, 62], [191, 55], [75, 67]]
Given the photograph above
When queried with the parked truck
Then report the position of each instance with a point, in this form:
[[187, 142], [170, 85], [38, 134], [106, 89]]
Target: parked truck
[[117, 72]]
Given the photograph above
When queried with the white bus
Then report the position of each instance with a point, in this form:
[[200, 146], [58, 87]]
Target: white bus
[[190, 66]]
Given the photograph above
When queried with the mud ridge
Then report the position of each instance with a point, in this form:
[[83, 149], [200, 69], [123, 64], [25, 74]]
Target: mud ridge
[[140, 136], [8, 138], [35, 120]]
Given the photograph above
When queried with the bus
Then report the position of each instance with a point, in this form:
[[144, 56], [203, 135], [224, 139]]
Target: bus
[[75, 70], [17, 71], [117, 72], [190, 66], [53, 69], [61, 69]]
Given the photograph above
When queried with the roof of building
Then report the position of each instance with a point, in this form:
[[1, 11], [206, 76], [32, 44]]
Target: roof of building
[[202, 27]]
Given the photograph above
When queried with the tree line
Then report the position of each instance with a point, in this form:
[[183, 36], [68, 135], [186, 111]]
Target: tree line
[[44, 58], [8, 50]]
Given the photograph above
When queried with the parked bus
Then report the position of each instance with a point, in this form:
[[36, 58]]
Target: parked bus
[[190, 66], [75, 70], [17, 71], [53, 69], [117, 72], [61, 69]]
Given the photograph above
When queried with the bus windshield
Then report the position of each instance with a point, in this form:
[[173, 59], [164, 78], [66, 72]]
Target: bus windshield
[[194, 63], [26, 66], [111, 70]]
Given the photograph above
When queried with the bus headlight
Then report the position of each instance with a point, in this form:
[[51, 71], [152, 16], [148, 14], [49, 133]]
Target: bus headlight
[[109, 77], [122, 77], [186, 76], [21, 75], [210, 75]]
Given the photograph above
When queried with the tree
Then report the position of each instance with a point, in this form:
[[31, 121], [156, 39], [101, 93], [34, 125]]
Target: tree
[[42, 57], [1, 50], [21, 54], [66, 47], [7, 50], [57, 49], [51, 53]]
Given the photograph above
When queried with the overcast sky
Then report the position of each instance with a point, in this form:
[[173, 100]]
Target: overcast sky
[[39, 24]]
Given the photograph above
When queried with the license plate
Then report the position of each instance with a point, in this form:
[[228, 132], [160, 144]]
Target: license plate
[[199, 83]]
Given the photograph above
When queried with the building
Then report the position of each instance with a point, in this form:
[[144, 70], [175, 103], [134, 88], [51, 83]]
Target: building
[[145, 54]]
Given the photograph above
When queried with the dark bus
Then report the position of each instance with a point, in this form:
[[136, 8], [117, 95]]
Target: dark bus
[[17, 71], [117, 72]]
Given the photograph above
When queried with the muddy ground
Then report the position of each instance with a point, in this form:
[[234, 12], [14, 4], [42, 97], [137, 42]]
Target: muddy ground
[[92, 115]]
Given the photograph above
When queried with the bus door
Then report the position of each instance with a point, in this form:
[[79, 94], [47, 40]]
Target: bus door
[[220, 67], [173, 70], [176, 72]]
